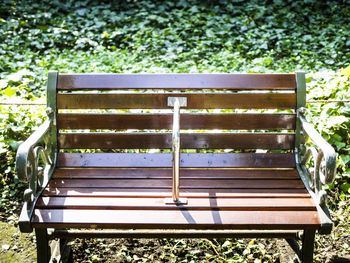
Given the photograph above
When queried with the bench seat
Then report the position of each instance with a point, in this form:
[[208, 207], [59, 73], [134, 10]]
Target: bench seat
[[238, 196]]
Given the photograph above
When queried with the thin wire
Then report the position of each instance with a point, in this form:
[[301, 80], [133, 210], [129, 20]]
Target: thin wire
[[326, 101], [43, 104], [22, 103]]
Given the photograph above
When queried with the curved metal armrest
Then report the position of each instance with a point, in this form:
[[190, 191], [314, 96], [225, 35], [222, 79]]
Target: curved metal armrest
[[325, 152], [35, 161], [323, 171], [24, 153]]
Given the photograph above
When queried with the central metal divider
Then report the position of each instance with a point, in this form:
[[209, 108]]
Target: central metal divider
[[176, 103]]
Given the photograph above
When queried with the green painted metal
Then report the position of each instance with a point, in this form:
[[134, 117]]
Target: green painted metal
[[301, 103], [326, 152], [42, 245], [308, 246], [39, 148], [51, 110], [321, 174], [301, 89]]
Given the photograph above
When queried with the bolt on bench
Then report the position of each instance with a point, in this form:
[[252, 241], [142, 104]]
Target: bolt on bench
[[253, 182]]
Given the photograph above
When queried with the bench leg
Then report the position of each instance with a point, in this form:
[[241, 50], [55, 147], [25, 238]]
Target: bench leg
[[307, 253], [65, 251], [42, 245]]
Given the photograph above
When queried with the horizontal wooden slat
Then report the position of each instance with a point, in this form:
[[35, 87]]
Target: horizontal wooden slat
[[160, 100], [261, 204], [176, 81], [174, 219], [245, 121], [284, 141], [217, 174], [156, 192], [147, 233], [234, 160], [184, 183]]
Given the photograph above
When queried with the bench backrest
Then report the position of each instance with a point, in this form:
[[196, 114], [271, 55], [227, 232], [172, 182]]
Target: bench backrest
[[130, 111]]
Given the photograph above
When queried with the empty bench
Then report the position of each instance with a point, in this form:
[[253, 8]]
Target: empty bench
[[175, 155]]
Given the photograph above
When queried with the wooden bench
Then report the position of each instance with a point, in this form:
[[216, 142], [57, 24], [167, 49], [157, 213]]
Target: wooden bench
[[237, 169]]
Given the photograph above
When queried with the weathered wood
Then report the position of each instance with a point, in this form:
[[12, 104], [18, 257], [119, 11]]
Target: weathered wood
[[283, 141], [174, 219], [246, 121], [176, 81], [217, 174], [210, 160], [110, 203], [159, 100], [185, 183]]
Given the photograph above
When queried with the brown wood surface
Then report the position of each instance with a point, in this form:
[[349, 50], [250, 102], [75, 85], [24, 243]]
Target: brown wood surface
[[184, 183], [235, 160], [245, 121], [176, 81], [224, 190], [166, 173], [160, 100], [283, 141], [172, 219], [156, 192], [110, 203]]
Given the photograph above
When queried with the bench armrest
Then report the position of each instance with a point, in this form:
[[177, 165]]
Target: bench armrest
[[324, 156], [35, 162], [323, 172]]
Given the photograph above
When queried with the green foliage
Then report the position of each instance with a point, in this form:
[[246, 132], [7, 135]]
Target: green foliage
[[182, 36], [16, 124], [174, 36], [332, 120]]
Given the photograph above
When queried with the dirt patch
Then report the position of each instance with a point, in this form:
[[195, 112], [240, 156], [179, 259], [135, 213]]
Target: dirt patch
[[174, 250], [15, 246]]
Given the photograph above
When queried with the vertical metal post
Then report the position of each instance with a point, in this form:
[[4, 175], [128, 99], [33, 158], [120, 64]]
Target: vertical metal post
[[51, 107], [176, 102], [176, 151], [307, 253], [301, 103], [42, 245]]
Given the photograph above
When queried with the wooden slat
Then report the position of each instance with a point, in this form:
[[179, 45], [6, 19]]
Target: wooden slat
[[261, 204], [245, 121], [160, 100], [217, 174], [176, 81], [156, 192], [283, 141], [185, 183], [180, 234], [181, 218], [234, 160]]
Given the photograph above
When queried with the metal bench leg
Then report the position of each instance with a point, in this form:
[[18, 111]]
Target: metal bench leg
[[42, 245], [307, 253]]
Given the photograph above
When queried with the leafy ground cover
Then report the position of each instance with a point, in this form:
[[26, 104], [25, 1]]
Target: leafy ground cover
[[181, 36]]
